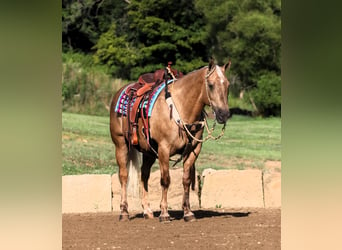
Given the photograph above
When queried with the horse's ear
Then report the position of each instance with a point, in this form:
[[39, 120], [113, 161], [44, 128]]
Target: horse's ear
[[227, 65], [211, 63]]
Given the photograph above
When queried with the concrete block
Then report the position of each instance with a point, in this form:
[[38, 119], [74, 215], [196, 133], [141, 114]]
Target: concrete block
[[174, 198], [272, 189], [232, 189], [86, 193], [133, 198], [208, 171], [175, 192]]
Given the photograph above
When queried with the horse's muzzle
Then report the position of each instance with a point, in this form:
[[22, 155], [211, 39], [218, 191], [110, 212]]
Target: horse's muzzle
[[222, 115]]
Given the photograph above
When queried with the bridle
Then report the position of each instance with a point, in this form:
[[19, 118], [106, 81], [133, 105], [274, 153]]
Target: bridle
[[209, 73], [205, 122]]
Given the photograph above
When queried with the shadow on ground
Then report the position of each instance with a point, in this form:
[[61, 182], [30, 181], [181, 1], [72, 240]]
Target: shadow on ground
[[199, 214]]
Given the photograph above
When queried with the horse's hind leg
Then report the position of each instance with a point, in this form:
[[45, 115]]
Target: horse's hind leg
[[121, 153], [163, 156], [189, 178], [145, 175]]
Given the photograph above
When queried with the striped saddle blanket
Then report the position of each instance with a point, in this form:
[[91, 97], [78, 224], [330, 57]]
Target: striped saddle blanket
[[121, 106]]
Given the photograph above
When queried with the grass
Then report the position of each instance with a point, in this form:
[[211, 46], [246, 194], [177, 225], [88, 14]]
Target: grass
[[247, 143], [86, 145]]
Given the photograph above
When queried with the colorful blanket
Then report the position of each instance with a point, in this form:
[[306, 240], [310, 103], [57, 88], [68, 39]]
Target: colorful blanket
[[122, 103]]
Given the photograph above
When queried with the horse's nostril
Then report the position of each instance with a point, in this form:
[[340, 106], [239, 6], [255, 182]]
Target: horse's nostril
[[224, 112], [222, 115]]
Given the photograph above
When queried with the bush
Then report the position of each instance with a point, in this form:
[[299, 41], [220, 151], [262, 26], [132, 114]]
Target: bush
[[86, 88], [267, 95]]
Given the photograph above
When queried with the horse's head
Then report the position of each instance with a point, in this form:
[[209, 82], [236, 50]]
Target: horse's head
[[217, 90]]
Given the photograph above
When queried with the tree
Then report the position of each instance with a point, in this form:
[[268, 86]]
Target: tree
[[133, 37], [116, 52], [248, 32], [83, 21], [157, 32], [267, 96]]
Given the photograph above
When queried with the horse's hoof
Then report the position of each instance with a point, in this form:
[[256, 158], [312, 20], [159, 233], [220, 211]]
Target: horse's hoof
[[148, 215], [124, 217], [189, 218], [164, 219]]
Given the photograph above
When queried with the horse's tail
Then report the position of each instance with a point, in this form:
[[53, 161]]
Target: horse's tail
[[133, 166]]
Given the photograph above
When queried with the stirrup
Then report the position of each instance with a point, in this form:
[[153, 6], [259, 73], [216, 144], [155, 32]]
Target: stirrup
[[134, 139]]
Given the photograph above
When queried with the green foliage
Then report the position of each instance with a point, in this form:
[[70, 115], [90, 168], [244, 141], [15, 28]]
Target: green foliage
[[267, 95], [84, 21], [241, 103], [158, 32], [256, 36], [128, 38], [116, 52], [246, 31], [86, 89], [80, 59]]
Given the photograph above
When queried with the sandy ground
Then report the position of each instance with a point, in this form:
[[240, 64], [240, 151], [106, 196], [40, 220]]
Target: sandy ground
[[213, 229]]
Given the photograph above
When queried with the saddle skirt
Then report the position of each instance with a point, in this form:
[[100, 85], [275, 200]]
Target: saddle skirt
[[121, 106], [136, 101]]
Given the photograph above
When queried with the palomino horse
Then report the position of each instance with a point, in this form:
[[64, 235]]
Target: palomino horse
[[190, 94]]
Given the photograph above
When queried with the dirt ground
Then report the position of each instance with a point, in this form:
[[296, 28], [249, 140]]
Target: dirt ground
[[213, 229]]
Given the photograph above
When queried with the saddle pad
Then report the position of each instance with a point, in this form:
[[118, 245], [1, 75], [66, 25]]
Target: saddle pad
[[122, 103]]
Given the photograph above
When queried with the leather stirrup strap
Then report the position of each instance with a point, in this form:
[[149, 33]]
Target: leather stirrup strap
[[135, 108]]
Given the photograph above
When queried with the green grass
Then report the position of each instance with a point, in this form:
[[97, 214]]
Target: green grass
[[86, 145], [247, 143]]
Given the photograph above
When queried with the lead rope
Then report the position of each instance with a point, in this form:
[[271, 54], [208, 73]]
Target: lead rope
[[210, 131]]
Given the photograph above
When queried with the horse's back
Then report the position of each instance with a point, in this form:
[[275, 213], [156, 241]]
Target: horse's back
[[161, 126]]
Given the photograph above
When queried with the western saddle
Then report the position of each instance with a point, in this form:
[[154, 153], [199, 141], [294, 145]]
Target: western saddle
[[140, 91]]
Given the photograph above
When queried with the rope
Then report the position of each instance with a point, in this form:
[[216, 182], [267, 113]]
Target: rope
[[173, 76], [205, 122], [170, 72], [210, 131]]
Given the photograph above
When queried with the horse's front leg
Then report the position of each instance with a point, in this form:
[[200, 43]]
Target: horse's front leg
[[189, 177], [163, 156]]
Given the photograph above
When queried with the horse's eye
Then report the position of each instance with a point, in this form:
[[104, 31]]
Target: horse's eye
[[211, 86]]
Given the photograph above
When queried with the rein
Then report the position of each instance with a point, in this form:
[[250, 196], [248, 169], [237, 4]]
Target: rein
[[210, 131]]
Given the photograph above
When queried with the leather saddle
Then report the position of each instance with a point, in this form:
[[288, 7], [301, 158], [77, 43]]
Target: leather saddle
[[138, 92]]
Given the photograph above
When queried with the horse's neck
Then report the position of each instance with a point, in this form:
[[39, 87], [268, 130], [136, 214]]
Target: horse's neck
[[187, 94]]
